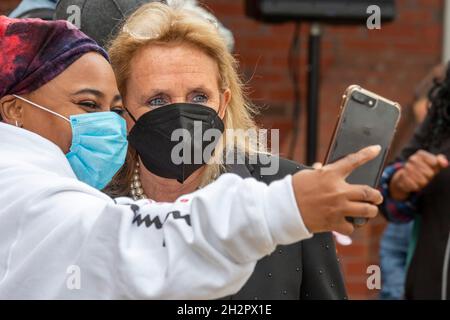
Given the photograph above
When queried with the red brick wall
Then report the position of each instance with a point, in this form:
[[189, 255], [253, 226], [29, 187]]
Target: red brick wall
[[389, 61]]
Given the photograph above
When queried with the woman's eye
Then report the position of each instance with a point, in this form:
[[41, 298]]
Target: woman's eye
[[120, 111], [89, 104], [200, 98], [157, 102]]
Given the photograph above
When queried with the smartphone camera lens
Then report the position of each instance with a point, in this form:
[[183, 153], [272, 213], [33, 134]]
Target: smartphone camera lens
[[359, 97], [363, 99]]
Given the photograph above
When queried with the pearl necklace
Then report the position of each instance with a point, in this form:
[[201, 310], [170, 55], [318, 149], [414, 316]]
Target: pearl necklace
[[137, 192]]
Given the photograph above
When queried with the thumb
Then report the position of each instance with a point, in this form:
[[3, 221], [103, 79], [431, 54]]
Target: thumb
[[442, 160], [348, 164]]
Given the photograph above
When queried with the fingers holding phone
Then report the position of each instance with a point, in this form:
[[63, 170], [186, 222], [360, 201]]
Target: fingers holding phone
[[325, 199]]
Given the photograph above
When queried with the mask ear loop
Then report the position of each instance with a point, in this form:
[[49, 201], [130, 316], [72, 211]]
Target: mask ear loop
[[41, 107], [130, 114]]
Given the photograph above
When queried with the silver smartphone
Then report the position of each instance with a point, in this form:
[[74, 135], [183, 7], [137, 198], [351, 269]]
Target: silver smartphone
[[365, 119]]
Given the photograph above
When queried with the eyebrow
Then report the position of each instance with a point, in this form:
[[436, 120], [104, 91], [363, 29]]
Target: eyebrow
[[153, 92], [200, 89], [99, 94], [94, 92]]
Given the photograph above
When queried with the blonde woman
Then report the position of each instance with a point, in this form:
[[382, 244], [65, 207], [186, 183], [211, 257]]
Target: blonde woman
[[173, 71]]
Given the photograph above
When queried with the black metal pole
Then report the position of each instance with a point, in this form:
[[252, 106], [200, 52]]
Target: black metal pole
[[315, 35]]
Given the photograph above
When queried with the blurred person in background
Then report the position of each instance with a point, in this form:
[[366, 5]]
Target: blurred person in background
[[416, 189], [397, 242], [101, 19]]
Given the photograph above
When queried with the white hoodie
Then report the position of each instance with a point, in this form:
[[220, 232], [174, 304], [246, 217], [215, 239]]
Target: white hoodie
[[60, 238]]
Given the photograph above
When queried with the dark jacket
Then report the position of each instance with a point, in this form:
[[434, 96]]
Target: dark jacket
[[305, 270]]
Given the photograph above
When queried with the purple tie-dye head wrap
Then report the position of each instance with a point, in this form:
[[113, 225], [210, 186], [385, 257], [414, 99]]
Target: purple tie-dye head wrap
[[33, 52]]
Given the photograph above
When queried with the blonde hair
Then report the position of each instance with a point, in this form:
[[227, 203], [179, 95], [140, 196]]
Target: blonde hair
[[157, 23]]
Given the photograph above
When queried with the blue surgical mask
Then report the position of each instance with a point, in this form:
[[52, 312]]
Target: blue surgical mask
[[99, 145]]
